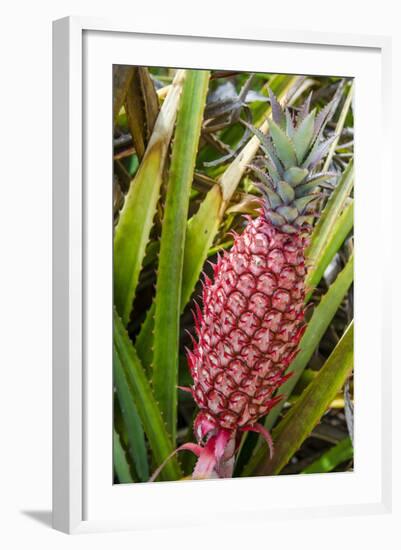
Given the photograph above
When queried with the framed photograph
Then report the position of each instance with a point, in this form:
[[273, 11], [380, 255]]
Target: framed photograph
[[219, 331]]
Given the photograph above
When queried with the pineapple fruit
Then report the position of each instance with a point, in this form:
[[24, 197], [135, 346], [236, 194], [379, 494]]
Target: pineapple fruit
[[252, 315]]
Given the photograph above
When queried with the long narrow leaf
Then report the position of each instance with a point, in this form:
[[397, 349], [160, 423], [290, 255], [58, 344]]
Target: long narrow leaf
[[284, 147], [322, 233], [341, 228], [310, 407], [339, 127], [136, 217], [132, 422], [120, 462], [145, 402], [332, 458], [168, 289]]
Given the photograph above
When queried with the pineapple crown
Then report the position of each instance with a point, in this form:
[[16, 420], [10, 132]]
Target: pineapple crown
[[287, 173]]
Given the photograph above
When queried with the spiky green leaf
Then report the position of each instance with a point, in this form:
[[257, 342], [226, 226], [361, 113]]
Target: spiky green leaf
[[272, 198], [276, 219], [341, 228], [317, 153], [303, 136], [289, 124], [303, 202], [324, 227], [313, 182], [288, 212], [132, 422], [263, 176], [120, 461], [136, 218], [304, 109], [145, 402], [326, 114], [285, 191], [274, 165], [283, 145], [295, 175]]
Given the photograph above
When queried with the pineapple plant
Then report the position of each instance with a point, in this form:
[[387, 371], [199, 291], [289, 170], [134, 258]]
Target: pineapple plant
[[252, 319], [250, 340]]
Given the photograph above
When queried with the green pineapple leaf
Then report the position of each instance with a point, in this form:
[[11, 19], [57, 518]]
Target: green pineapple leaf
[[171, 256], [289, 125], [274, 165], [283, 145], [277, 219], [323, 231], [303, 202], [135, 222], [341, 228], [313, 182], [288, 212], [130, 367], [317, 152], [264, 178], [303, 136], [273, 199], [295, 175], [325, 115], [132, 422], [285, 191], [332, 458], [120, 462]]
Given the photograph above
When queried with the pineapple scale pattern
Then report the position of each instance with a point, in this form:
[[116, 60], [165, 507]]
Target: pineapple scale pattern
[[250, 325]]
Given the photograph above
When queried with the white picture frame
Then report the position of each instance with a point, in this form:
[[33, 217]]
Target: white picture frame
[[80, 484]]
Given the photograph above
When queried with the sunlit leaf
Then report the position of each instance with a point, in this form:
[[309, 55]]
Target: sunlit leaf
[[144, 400], [168, 288], [136, 219]]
